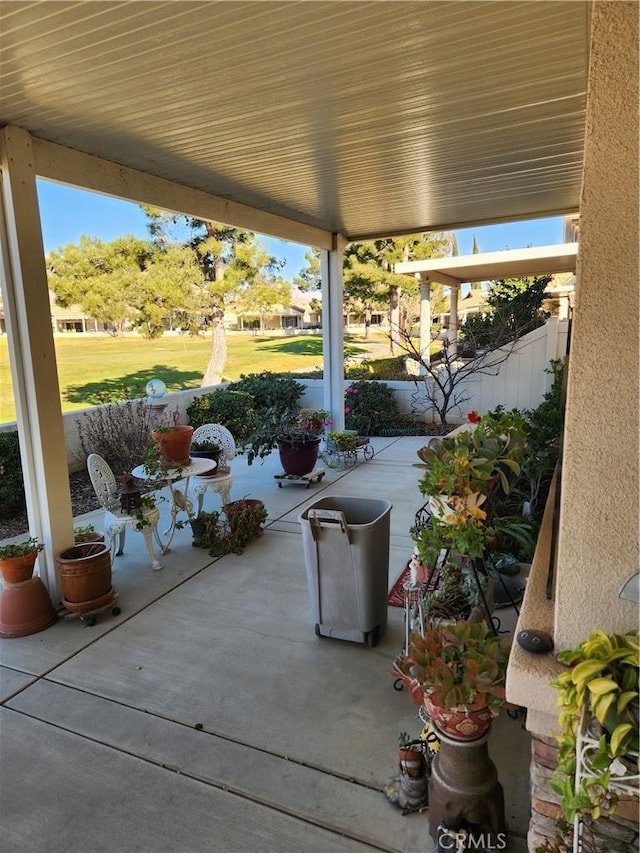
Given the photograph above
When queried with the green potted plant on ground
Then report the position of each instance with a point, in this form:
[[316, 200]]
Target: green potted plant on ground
[[87, 533], [458, 672], [297, 448], [599, 692]]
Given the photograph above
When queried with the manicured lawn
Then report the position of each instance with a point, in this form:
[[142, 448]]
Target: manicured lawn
[[92, 370]]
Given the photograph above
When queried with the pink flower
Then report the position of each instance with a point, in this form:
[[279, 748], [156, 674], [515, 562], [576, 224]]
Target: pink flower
[[347, 409]]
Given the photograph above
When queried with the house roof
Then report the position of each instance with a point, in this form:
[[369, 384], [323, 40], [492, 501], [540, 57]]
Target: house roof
[[359, 119]]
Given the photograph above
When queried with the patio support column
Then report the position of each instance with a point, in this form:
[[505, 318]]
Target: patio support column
[[425, 317], [32, 354], [333, 330], [453, 320]]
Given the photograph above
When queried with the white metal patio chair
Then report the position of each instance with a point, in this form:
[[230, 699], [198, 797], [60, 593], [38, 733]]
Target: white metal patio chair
[[221, 481], [115, 520]]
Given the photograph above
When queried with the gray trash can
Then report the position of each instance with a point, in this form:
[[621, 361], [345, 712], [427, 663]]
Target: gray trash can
[[346, 554]]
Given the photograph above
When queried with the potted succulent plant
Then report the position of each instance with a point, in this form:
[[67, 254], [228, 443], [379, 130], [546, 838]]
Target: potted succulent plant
[[18, 559], [206, 450], [458, 672], [600, 692]]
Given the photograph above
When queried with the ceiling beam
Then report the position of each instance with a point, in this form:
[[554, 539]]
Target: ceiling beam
[[64, 165]]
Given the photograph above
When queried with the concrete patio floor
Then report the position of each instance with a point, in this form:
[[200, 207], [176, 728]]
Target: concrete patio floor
[[208, 716]]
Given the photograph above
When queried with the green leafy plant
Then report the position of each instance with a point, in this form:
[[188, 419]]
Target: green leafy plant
[[233, 409], [231, 533], [271, 392], [20, 549], [463, 664], [342, 440], [206, 447], [85, 533], [313, 420], [147, 503], [370, 407], [603, 684]]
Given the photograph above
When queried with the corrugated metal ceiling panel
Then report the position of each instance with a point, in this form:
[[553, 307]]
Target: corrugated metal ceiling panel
[[359, 118]]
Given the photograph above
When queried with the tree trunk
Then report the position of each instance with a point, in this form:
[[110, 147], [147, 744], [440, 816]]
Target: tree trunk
[[218, 357], [394, 318], [367, 322]]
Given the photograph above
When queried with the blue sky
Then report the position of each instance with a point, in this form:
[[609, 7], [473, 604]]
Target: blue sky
[[67, 213]]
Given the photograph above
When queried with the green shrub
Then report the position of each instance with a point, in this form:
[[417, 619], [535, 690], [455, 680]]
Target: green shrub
[[233, 409], [369, 407], [12, 499], [278, 395]]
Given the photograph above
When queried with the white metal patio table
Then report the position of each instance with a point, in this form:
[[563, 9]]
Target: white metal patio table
[[180, 501]]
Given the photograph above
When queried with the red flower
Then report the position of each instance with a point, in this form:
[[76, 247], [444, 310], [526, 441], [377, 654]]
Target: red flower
[[474, 417]]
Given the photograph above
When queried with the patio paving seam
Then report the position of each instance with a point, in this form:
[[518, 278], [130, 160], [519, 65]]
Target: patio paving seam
[[226, 787]]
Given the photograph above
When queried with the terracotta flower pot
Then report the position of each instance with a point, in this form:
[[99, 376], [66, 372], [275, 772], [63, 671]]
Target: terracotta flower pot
[[18, 569], [25, 609], [461, 722], [174, 444]]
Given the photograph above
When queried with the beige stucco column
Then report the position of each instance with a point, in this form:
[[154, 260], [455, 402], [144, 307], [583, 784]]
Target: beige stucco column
[[32, 354], [598, 534]]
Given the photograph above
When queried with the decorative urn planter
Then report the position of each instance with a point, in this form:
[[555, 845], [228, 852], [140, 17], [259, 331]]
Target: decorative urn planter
[[174, 443], [85, 574]]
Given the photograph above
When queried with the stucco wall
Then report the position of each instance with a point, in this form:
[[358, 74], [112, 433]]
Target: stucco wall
[[598, 543]]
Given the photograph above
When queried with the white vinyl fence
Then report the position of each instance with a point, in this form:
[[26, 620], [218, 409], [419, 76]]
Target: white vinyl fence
[[521, 383]]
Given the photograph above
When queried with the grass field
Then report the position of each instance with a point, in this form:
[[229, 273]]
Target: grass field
[[89, 367]]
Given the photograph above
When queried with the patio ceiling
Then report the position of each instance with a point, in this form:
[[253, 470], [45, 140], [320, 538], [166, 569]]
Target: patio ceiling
[[511, 263], [356, 118]]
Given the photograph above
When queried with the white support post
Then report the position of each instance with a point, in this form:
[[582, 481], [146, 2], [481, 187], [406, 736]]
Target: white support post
[[453, 321], [333, 331], [32, 354], [425, 318]]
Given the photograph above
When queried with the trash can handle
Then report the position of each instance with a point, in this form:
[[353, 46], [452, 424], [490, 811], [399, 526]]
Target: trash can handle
[[332, 518]]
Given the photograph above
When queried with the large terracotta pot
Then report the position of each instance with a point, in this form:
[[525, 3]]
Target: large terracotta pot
[[461, 722], [18, 569], [25, 608], [174, 444], [298, 459], [85, 572]]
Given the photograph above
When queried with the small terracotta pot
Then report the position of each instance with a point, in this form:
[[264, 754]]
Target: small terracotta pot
[[18, 569], [461, 722], [174, 444]]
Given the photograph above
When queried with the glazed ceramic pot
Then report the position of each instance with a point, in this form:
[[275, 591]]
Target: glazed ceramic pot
[[461, 722], [299, 458], [85, 572]]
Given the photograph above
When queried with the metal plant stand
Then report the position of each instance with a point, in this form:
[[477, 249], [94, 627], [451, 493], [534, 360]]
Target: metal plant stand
[[465, 797]]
